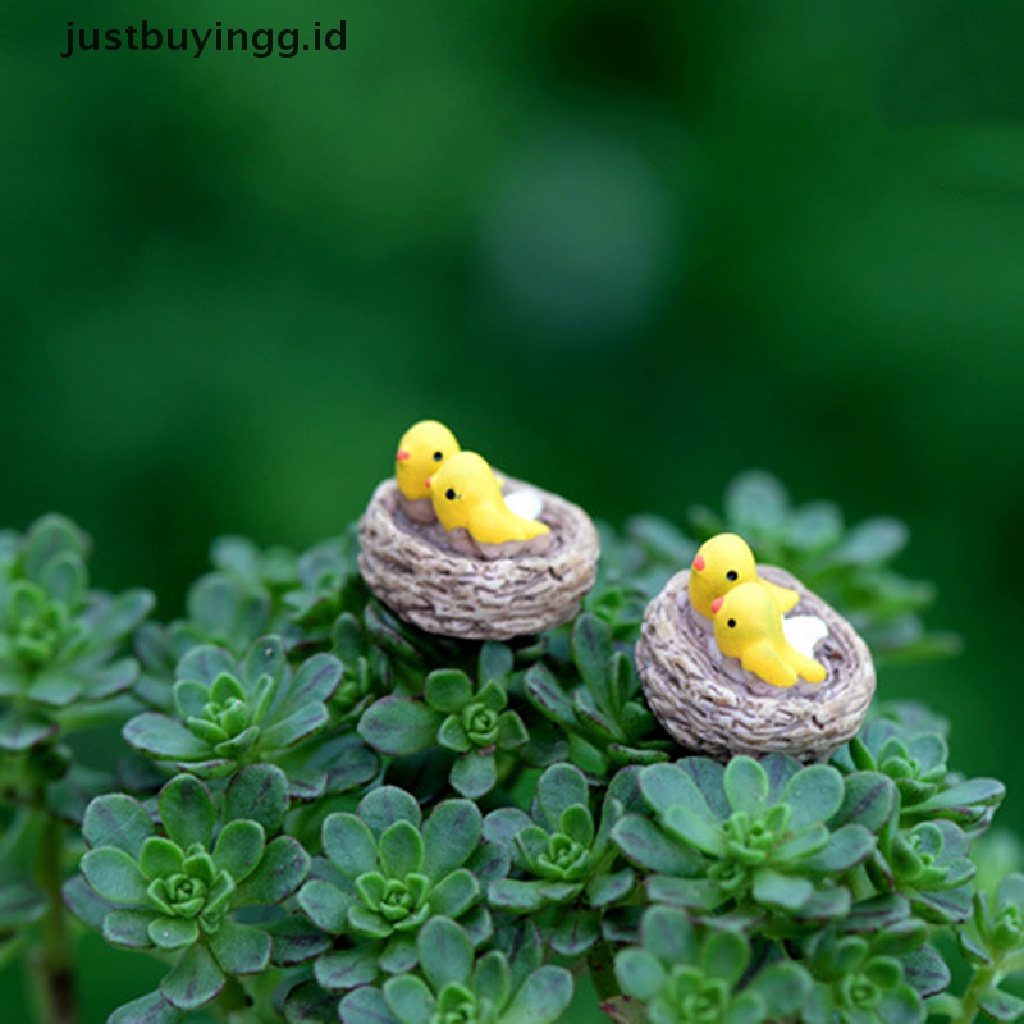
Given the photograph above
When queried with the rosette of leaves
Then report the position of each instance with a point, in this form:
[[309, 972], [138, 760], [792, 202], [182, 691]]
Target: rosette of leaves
[[386, 873], [768, 837], [916, 762], [602, 713], [230, 713], [849, 568], [857, 982], [685, 974], [179, 892], [567, 865], [364, 669], [59, 641], [993, 944], [455, 984], [930, 865], [472, 720]]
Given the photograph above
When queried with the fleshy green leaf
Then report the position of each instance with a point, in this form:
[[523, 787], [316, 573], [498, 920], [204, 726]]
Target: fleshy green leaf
[[194, 981], [399, 726], [542, 998], [365, 1006], [643, 843], [325, 905], [451, 834], [446, 954], [385, 805], [258, 792], [345, 969], [164, 737], [240, 948], [474, 774], [448, 691], [151, 1009], [239, 848], [173, 932], [349, 844], [117, 820], [815, 794], [187, 811], [114, 875], [746, 785], [560, 787], [401, 850], [281, 871], [639, 973]]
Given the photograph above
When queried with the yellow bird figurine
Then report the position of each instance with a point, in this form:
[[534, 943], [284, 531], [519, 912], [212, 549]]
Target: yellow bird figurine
[[723, 562], [465, 493], [424, 446], [748, 626]]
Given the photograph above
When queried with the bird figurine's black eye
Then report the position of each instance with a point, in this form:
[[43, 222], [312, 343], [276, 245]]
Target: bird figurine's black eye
[[438, 456], [731, 623], [450, 494], [732, 575]]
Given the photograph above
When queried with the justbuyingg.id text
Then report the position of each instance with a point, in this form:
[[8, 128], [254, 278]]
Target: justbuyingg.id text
[[260, 42]]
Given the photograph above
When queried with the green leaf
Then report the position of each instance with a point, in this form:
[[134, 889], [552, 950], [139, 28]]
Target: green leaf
[[325, 905], [399, 726], [577, 931], [515, 895], [23, 730], [117, 820], [665, 786], [901, 1005], [194, 981], [349, 844], [668, 934], [1001, 1005], [491, 978], [473, 774], [289, 731], [409, 999], [454, 894], [694, 893], [400, 850], [781, 890], [450, 835], [308, 1003], [783, 987], [592, 647], [114, 875], [316, 680], [151, 1009], [239, 848], [690, 828], [129, 928], [240, 948], [294, 940], [448, 690], [643, 843], [607, 889], [187, 811], [639, 974], [746, 785], [385, 805], [725, 955], [846, 847], [542, 998], [545, 693], [281, 871], [869, 799], [926, 971], [872, 541], [446, 954], [755, 503], [345, 969], [258, 792], [365, 1006], [560, 787], [160, 857], [815, 794], [173, 932], [453, 736], [578, 825], [511, 731]]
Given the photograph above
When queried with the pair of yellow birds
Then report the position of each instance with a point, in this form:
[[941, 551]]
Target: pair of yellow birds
[[724, 586], [464, 490], [747, 612]]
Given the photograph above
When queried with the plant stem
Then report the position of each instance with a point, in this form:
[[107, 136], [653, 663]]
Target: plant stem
[[982, 979], [51, 963]]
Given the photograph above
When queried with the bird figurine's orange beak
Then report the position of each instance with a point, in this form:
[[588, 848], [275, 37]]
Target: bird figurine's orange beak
[[403, 455], [429, 478], [716, 604], [698, 563]]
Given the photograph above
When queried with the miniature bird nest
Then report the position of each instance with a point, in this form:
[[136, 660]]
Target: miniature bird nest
[[414, 571], [710, 705]]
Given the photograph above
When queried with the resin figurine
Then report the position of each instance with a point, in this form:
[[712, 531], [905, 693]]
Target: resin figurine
[[725, 562], [460, 550], [466, 495], [748, 626], [421, 452], [790, 675]]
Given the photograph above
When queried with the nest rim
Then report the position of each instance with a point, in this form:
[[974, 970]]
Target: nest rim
[[709, 705], [449, 593]]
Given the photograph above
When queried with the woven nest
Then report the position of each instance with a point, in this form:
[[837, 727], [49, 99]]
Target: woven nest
[[710, 705], [426, 577]]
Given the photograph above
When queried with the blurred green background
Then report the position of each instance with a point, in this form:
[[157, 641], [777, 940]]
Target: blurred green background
[[624, 250]]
